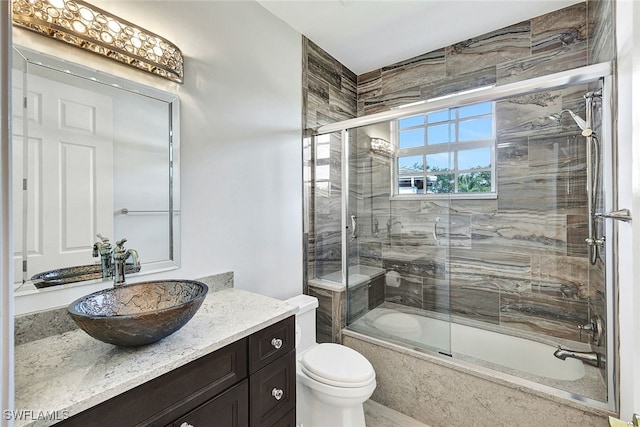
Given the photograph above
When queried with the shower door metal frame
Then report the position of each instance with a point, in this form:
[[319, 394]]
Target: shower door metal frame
[[583, 75]]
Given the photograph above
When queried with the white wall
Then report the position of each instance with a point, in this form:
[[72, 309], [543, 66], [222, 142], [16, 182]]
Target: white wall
[[628, 45], [241, 170]]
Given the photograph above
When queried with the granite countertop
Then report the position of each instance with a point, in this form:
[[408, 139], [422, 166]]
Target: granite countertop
[[62, 375]]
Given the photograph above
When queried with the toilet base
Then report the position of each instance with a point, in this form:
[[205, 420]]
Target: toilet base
[[313, 412]]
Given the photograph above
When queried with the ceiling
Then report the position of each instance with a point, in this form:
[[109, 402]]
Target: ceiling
[[367, 34]]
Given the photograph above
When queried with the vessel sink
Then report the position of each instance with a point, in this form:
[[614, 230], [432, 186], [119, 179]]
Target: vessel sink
[[78, 273], [140, 313]]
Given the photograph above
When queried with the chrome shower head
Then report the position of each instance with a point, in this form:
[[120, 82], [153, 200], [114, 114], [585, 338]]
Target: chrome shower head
[[582, 124]]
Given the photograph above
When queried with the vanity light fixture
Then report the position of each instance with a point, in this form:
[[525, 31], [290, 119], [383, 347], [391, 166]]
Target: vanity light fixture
[[80, 24]]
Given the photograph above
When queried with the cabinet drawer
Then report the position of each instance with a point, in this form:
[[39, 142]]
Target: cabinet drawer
[[273, 391], [288, 420], [230, 409], [267, 345], [171, 394]]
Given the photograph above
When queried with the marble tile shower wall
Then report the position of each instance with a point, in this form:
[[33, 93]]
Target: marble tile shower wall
[[520, 260], [329, 95], [537, 261]]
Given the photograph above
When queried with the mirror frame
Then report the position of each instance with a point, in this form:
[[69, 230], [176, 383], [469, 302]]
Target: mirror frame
[[33, 57]]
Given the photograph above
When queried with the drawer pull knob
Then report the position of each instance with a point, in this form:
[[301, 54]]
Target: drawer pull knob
[[277, 393], [185, 424], [276, 343]]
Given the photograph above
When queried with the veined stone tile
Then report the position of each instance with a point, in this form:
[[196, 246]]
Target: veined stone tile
[[597, 280], [469, 80], [493, 48], [318, 92], [601, 30], [563, 277], [323, 65], [416, 71], [523, 231], [409, 292], [480, 301], [432, 265], [342, 104], [436, 295], [559, 29], [358, 303], [474, 206], [505, 270], [370, 85], [396, 99], [542, 314], [512, 152], [543, 63], [577, 231], [323, 314], [525, 115]]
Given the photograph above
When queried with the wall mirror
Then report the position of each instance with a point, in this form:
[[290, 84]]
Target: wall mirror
[[92, 154]]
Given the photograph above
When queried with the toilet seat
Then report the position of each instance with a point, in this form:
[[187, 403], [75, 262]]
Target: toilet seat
[[338, 366]]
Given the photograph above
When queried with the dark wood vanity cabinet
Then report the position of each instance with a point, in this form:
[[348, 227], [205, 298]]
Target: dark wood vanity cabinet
[[251, 382]]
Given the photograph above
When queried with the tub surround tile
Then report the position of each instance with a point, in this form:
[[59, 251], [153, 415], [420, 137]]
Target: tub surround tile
[[488, 49], [417, 71], [600, 17], [409, 292], [73, 372], [559, 29], [541, 200], [440, 392], [471, 79]]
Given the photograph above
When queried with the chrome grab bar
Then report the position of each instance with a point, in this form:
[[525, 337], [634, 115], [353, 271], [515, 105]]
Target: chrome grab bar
[[435, 230], [620, 215]]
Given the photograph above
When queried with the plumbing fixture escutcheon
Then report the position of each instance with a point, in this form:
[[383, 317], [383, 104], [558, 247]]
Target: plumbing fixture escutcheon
[[595, 328]]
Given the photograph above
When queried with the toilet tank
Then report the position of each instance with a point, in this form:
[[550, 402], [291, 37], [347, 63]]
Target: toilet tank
[[305, 320]]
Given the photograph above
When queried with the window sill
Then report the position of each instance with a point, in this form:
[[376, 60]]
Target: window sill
[[446, 196]]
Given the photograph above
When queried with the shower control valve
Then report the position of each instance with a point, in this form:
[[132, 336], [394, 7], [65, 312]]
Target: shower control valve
[[594, 328]]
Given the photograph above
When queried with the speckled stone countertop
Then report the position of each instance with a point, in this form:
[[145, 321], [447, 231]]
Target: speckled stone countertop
[[62, 375]]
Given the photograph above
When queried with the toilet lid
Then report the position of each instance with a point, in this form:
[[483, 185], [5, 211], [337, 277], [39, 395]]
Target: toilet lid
[[337, 365]]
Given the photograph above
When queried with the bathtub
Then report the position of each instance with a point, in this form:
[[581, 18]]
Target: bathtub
[[469, 343]]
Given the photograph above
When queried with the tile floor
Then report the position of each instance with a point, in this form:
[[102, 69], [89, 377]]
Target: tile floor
[[377, 415]]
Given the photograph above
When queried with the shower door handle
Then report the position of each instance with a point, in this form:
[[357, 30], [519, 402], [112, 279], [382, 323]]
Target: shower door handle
[[620, 215], [435, 230], [354, 226]]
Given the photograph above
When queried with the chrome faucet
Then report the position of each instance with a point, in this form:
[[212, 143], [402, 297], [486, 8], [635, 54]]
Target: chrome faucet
[[120, 256], [591, 357], [102, 249]]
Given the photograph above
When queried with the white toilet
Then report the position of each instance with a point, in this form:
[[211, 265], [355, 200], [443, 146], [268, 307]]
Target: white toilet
[[333, 381]]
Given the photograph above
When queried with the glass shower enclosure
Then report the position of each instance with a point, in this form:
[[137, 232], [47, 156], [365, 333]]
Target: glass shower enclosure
[[472, 226]]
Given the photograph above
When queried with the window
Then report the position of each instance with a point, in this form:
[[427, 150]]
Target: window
[[447, 151]]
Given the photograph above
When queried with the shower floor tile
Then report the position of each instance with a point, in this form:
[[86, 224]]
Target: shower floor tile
[[377, 415]]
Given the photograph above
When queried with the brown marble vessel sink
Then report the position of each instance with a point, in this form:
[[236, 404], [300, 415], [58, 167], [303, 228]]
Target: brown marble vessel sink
[[138, 314]]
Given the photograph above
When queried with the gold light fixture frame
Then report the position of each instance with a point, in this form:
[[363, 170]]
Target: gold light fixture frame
[[85, 26]]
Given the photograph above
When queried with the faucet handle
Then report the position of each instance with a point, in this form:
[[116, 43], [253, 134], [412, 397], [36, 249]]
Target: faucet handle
[[101, 237]]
